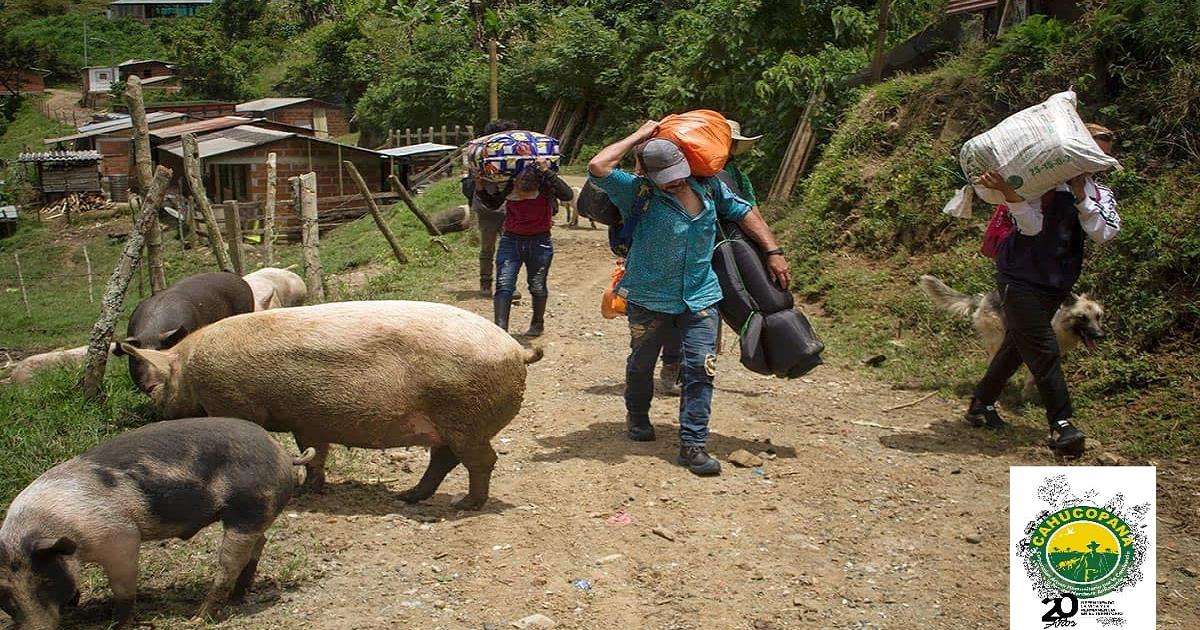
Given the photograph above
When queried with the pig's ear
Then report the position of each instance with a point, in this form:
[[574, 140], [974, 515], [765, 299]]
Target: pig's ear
[[118, 347], [46, 547], [173, 337], [159, 361]]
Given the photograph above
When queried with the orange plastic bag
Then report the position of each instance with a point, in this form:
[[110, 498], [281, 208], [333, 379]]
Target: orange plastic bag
[[704, 137], [611, 304]]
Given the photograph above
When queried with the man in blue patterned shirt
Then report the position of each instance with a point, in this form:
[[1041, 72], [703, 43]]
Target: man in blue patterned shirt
[[669, 282]]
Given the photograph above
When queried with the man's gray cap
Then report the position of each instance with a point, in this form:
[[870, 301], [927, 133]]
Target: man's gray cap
[[664, 161]]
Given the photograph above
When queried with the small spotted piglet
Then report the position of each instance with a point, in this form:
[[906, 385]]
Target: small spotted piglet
[[164, 480]]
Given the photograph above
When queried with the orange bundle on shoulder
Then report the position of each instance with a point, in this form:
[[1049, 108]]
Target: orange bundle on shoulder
[[703, 136]]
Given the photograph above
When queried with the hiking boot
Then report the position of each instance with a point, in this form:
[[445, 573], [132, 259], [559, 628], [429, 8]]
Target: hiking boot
[[981, 415], [698, 461], [538, 324], [639, 429], [1066, 440], [668, 380]]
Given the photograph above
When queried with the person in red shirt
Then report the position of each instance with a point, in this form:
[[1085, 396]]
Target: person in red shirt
[[526, 241]]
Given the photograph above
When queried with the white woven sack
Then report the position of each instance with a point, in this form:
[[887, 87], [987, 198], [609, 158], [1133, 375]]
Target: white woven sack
[[1035, 150]]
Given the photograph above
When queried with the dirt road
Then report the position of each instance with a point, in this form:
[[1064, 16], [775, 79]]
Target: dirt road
[[863, 518]]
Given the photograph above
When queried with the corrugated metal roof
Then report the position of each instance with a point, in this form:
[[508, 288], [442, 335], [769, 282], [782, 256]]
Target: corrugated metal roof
[[153, 80], [418, 149], [227, 140], [61, 156], [200, 126], [118, 123], [8, 213], [969, 6], [248, 136], [267, 104], [130, 62]]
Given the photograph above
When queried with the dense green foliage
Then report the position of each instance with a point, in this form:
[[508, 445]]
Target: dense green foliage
[[873, 200], [56, 43]]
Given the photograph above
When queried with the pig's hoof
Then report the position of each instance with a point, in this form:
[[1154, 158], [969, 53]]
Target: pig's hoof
[[315, 487], [414, 495], [470, 503]]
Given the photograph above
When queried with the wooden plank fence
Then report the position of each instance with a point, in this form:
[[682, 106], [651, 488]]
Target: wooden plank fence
[[331, 212], [457, 135]]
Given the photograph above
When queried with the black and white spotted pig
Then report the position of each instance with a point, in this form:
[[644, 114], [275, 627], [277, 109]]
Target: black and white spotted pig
[[164, 480]]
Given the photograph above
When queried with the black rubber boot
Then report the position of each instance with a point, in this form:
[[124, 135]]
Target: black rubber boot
[[538, 324], [501, 307], [639, 429]]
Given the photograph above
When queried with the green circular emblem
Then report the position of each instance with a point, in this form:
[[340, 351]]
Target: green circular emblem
[[1016, 181], [1084, 550]]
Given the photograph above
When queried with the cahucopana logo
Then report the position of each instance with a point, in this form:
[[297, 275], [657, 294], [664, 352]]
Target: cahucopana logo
[[1082, 547], [1084, 550]]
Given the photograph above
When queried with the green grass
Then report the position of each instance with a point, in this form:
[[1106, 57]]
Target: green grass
[[27, 129]]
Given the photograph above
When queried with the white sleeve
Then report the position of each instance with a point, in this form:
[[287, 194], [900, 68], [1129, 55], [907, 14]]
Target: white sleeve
[[1028, 215], [1099, 218]]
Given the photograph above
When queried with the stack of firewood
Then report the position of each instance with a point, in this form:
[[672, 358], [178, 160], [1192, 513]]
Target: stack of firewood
[[75, 203]]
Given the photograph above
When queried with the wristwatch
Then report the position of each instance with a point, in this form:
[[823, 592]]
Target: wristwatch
[[778, 251]]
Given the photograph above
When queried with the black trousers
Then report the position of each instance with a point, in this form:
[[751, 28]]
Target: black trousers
[[1029, 339]]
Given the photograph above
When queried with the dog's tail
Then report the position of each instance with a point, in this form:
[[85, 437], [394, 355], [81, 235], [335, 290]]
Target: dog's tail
[[947, 298]]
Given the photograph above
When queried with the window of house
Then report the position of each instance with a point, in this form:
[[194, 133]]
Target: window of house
[[103, 76]]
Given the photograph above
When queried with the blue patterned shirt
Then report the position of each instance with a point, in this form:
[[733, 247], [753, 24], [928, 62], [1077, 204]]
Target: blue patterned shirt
[[669, 266]]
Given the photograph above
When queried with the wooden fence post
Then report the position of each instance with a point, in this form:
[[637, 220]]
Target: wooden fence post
[[443, 134], [268, 234], [433, 231], [304, 192], [191, 168], [884, 8], [21, 281], [407, 136], [375, 213], [799, 149], [145, 173], [233, 225], [88, 261], [118, 284]]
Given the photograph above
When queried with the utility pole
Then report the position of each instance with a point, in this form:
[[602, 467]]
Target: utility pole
[[494, 95]]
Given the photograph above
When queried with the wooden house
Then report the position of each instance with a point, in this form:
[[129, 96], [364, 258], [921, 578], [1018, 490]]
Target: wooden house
[[112, 139], [60, 173], [234, 164], [324, 118]]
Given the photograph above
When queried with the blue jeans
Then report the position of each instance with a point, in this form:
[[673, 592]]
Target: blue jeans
[[535, 253], [648, 332]]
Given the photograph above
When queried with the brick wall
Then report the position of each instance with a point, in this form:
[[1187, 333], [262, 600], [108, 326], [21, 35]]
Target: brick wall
[[301, 115]]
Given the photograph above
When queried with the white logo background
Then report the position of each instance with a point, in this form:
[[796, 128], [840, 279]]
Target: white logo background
[[1035, 491]]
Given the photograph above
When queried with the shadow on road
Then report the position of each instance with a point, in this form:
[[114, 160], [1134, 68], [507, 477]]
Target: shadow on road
[[956, 437], [606, 442], [357, 498]]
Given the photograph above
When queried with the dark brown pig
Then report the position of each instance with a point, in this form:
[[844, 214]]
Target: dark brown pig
[[161, 320], [164, 480], [365, 374]]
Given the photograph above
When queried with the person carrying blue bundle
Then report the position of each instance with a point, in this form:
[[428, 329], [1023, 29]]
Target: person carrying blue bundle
[[669, 282]]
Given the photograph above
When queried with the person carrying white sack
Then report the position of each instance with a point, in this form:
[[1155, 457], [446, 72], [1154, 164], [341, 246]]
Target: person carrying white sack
[[1037, 266]]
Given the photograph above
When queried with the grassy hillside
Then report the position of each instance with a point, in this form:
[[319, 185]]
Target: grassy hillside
[[869, 223]]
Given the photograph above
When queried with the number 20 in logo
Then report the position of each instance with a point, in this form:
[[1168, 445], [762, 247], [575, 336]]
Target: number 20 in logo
[[1056, 612]]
